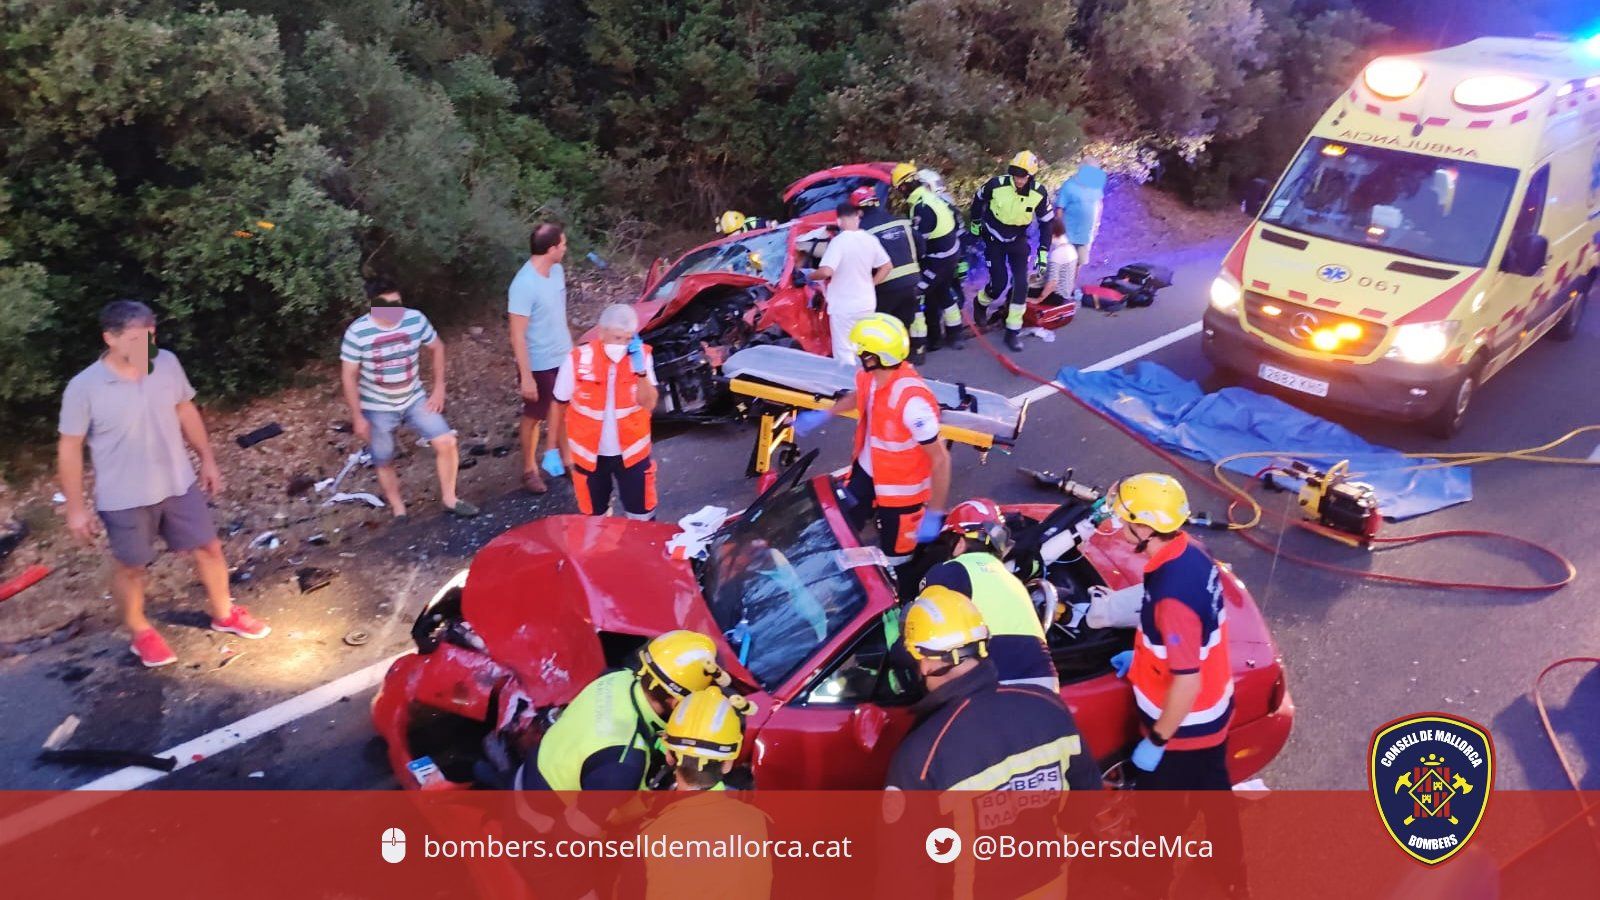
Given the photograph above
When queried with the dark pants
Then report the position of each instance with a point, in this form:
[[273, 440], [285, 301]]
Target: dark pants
[[636, 484], [940, 290], [1008, 276], [897, 525], [1197, 770], [899, 299]]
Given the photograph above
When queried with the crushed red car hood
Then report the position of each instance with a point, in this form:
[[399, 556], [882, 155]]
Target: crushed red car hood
[[691, 285], [539, 594]]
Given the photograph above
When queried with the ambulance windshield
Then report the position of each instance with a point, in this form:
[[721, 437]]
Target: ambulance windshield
[[1426, 207]]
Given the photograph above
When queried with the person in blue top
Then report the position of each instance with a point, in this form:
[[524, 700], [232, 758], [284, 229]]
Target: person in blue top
[[540, 340], [1079, 202]]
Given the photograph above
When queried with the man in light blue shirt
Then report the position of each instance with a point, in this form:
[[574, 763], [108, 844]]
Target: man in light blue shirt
[[540, 340], [1080, 201]]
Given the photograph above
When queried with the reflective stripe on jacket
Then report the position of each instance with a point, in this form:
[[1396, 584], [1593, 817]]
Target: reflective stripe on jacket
[[940, 238], [902, 473], [595, 377], [608, 720], [1183, 572]]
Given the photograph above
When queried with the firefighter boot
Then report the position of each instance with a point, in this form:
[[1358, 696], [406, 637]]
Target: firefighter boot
[[1014, 339], [918, 351]]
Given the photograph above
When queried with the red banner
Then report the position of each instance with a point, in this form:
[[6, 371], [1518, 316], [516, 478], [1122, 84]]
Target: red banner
[[488, 844]]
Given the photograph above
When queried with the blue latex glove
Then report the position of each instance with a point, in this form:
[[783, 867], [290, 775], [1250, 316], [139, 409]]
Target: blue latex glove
[[807, 421], [1147, 756], [930, 526], [1121, 662], [636, 355], [552, 464]]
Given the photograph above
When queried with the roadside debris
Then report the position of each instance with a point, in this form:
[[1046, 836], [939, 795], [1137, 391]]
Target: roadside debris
[[317, 540], [501, 451], [11, 537], [30, 576], [58, 497], [299, 484], [312, 578], [360, 457], [1043, 334], [62, 733], [467, 463], [361, 496], [266, 540], [90, 756], [698, 527], [357, 638], [265, 432], [478, 449], [229, 654]]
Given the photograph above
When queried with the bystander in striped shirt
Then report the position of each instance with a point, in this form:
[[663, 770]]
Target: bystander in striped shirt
[[389, 359]]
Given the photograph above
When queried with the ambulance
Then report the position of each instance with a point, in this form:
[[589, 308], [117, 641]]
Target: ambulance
[[1441, 217]]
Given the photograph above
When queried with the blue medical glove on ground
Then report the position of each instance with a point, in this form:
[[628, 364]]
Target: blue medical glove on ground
[[552, 464], [930, 526], [807, 421], [1147, 756], [1121, 662], [636, 354]]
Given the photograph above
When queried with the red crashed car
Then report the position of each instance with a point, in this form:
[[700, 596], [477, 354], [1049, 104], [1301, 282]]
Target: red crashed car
[[802, 616]]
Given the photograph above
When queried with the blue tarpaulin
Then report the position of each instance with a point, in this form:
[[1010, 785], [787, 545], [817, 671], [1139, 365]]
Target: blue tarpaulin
[[1176, 415]]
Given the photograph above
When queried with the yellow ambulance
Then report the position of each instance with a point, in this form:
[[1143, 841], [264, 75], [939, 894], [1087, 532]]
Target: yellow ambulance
[[1441, 217]]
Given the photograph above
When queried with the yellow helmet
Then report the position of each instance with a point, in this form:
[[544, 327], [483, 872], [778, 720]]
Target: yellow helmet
[[730, 222], [1151, 499], [708, 725], [1026, 161], [902, 173], [942, 624], [883, 336], [680, 663]]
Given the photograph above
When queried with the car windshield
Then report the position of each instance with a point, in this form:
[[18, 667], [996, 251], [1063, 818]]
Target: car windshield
[[1426, 207], [776, 586], [764, 255], [825, 195]]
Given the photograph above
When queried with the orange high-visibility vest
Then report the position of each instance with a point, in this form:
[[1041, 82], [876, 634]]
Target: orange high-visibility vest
[[595, 377], [902, 474], [1183, 572]]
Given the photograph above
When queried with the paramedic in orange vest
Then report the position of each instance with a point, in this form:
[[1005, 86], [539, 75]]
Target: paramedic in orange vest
[[607, 390], [1179, 669], [902, 469]]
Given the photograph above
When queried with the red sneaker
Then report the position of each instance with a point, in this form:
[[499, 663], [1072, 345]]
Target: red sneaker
[[152, 650], [243, 624]]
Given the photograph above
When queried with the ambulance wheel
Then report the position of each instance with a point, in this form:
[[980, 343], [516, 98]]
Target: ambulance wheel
[[1446, 423], [1567, 328]]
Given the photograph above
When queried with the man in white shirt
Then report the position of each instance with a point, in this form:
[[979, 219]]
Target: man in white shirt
[[853, 265]]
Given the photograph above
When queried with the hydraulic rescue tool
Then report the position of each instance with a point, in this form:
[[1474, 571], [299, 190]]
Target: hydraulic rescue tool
[[1334, 506]]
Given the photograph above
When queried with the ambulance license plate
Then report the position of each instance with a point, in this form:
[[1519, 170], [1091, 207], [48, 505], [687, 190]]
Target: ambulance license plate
[[1292, 381]]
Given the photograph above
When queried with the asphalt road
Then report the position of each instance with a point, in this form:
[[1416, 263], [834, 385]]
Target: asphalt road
[[1359, 653]]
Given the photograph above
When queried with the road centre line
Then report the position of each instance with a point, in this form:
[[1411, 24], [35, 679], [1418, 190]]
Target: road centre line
[[1112, 362]]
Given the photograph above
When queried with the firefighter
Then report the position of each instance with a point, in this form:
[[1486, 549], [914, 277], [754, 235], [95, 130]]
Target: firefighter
[[1002, 210], [901, 472], [979, 539], [606, 737], [938, 238], [897, 294], [971, 734], [703, 738], [732, 222]]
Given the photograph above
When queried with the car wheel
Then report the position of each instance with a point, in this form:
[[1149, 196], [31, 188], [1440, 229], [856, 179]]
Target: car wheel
[[1567, 328], [1446, 423]]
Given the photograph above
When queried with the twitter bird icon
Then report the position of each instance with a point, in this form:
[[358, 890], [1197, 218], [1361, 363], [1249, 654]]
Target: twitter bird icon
[[943, 845]]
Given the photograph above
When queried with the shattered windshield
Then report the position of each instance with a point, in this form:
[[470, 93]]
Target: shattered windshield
[[1427, 207], [775, 587], [763, 255]]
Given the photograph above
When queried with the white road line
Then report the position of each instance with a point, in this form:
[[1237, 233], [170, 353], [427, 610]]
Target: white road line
[[85, 797], [1112, 362]]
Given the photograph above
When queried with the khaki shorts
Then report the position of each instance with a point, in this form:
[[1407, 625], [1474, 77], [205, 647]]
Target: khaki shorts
[[183, 522]]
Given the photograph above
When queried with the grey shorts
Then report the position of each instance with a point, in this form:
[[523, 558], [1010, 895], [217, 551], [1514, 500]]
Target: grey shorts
[[426, 423], [183, 522]]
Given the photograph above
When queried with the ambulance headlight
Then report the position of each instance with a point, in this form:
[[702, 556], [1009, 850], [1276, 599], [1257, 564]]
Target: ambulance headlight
[[1422, 342], [1225, 294]]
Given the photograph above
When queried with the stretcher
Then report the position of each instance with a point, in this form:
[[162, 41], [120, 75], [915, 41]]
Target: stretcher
[[784, 380]]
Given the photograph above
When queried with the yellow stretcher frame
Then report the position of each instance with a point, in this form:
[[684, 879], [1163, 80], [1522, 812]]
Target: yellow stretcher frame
[[775, 432]]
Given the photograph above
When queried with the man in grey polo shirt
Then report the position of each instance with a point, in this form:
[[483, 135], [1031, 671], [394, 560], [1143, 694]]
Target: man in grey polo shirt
[[135, 409]]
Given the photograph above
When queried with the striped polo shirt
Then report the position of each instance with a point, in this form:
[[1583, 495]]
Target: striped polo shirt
[[389, 359]]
